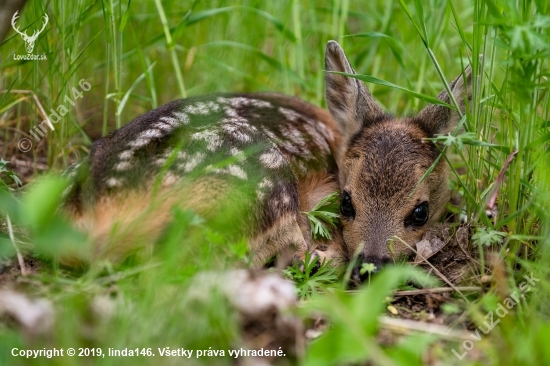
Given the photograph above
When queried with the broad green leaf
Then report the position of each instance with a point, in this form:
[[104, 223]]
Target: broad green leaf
[[42, 201]]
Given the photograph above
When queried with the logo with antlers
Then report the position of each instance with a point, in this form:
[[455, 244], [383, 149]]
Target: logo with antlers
[[29, 40]]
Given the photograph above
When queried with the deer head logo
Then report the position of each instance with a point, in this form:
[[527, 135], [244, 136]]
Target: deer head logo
[[29, 40]]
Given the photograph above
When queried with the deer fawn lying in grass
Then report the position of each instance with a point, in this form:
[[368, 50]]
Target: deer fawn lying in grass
[[259, 160]]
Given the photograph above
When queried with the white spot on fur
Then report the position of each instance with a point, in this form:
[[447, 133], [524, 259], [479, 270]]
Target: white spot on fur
[[181, 117], [169, 179], [239, 154], [237, 171], [123, 165], [232, 169], [272, 159], [198, 108], [263, 186], [211, 137], [238, 129], [114, 182], [171, 121], [150, 134], [292, 133], [139, 142], [162, 126], [290, 114], [286, 198], [160, 161], [126, 155], [193, 162], [238, 102], [234, 116], [214, 107], [223, 100], [182, 155], [265, 183]]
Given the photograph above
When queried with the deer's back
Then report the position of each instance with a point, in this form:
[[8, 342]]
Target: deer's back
[[235, 158]]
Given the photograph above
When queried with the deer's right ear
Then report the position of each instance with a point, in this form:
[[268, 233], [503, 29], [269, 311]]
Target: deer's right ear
[[440, 120], [348, 99]]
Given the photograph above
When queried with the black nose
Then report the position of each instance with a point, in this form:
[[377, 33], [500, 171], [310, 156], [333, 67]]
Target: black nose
[[367, 266]]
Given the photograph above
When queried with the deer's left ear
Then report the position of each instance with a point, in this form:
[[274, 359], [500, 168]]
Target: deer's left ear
[[348, 99], [440, 120]]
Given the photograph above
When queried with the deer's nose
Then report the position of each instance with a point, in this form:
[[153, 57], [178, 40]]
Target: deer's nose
[[368, 265]]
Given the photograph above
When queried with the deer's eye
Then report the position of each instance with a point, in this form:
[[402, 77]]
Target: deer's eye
[[346, 207], [418, 216]]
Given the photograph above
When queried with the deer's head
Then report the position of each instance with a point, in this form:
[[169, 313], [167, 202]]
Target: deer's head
[[29, 40], [382, 162]]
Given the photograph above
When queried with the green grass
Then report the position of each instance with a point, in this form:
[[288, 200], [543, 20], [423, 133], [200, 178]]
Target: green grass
[[138, 55]]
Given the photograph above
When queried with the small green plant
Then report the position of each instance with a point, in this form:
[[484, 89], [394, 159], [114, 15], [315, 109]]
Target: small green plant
[[9, 173], [351, 338], [487, 237], [313, 277], [369, 268], [324, 216], [240, 250]]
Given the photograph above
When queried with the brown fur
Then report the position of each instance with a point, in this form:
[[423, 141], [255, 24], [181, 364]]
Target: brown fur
[[122, 219], [366, 154], [382, 161], [131, 221]]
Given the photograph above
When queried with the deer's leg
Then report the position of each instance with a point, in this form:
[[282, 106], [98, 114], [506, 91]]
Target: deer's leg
[[284, 237]]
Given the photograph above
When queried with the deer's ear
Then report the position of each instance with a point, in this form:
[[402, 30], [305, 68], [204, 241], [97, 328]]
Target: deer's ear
[[348, 99], [440, 120]]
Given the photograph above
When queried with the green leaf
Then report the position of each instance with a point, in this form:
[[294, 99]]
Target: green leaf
[[324, 216], [42, 201], [354, 319], [367, 267], [125, 17], [487, 237], [372, 79], [10, 173], [311, 279], [136, 82]]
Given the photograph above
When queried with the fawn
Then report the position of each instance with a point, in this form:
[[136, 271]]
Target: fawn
[[259, 160]]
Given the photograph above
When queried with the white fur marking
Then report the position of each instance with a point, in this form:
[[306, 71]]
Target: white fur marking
[[212, 137], [139, 142], [169, 179], [114, 182], [193, 162], [197, 108], [123, 165], [171, 121], [264, 185], [272, 159], [237, 171], [181, 117], [290, 114], [126, 155], [150, 134]]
